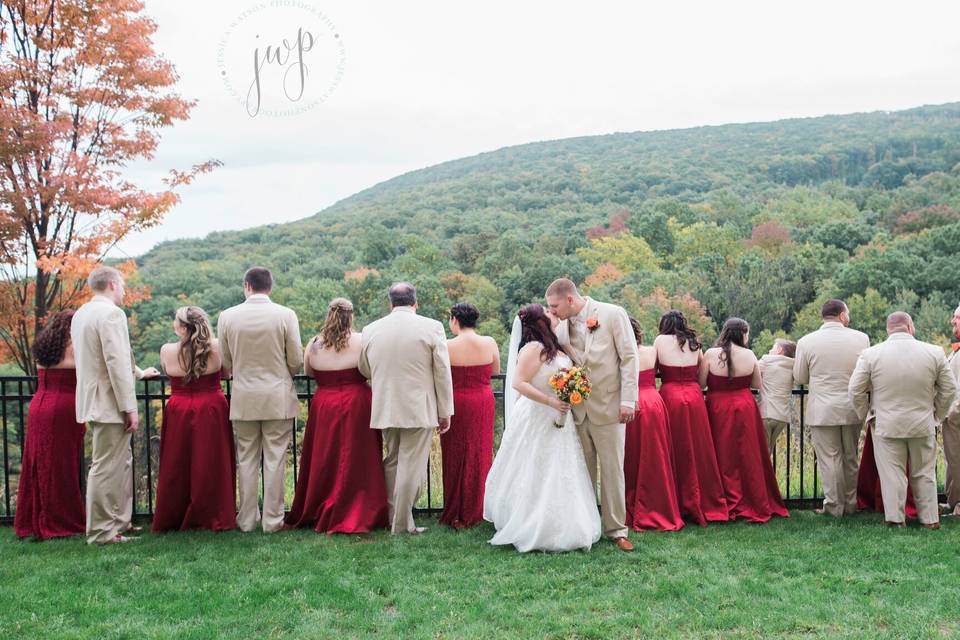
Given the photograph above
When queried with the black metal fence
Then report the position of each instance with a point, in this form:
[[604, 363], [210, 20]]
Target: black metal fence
[[794, 460]]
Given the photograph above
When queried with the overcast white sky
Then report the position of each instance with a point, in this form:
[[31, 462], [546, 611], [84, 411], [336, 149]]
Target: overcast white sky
[[430, 81]]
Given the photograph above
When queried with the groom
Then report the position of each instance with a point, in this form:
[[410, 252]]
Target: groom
[[601, 340]]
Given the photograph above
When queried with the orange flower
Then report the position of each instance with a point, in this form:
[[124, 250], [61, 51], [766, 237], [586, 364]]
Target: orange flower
[[592, 324], [955, 346], [576, 398]]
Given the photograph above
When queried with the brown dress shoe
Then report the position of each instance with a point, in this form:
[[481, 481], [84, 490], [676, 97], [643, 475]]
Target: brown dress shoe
[[896, 525], [623, 544], [931, 525]]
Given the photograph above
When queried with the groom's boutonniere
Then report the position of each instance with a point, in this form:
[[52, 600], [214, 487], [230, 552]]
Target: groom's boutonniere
[[593, 324]]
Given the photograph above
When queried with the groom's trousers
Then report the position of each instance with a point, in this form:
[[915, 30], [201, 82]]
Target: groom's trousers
[[405, 469], [269, 439], [604, 443], [109, 482]]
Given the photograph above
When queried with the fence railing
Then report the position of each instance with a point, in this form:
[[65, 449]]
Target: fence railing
[[794, 459]]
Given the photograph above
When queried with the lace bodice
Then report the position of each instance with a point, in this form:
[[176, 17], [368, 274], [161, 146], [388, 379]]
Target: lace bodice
[[542, 380]]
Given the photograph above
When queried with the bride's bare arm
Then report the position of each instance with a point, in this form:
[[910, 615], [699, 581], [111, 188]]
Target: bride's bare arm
[[528, 364]]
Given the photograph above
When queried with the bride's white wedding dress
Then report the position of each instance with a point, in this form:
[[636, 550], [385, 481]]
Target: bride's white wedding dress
[[538, 492]]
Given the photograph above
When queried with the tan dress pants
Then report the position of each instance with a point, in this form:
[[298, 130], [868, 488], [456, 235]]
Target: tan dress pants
[[951, 455], [604, 443], [269, 438], [892, 455], [773, 429], [837, 460], [109, 482], [405, 469]]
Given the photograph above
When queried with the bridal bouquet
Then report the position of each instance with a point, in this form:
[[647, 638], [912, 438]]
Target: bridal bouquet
[[571, 385]]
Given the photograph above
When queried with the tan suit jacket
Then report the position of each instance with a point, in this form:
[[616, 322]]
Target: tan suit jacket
[[953, 419], [910, 385], [610, 355], [260, 344], [105, 368], [825, 360], [405, 357], [776, 387]]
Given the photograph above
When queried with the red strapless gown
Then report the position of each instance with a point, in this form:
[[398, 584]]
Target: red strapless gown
[[700, 490], [749, 483], [196, 482], [49, 501], [467, 448], [340, 486], [869, 496], [648, 464]]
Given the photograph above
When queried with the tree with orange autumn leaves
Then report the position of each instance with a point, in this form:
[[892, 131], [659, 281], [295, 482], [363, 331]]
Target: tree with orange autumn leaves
[[82, 94]]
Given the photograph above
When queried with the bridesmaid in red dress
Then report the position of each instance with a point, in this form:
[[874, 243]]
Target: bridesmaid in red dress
[[340, 486], [467, 447], [868, 482], [651, 489], [749, 483], [49, 501], [699, 487], [196, 482]]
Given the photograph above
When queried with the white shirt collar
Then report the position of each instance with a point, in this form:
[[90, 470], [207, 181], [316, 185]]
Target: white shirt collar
[[404, 309], [102, 298], [259, 296]]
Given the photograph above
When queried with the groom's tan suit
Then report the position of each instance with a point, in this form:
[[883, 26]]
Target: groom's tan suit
[[824, 361], [609, 352], [951, 442], [105, 392], [404, 356], [910, 389], [260, 344]]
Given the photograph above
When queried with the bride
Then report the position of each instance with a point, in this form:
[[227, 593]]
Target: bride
[[538, 492]]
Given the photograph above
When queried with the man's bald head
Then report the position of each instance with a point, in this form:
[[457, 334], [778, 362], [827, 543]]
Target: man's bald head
[[899, 321]]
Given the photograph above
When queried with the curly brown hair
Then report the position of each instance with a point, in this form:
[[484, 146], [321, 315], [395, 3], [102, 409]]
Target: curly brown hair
[[335, 333], [51, 343], [196, 346]]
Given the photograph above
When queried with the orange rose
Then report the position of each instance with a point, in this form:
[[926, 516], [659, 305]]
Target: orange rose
[[592, 324], [576, 398]]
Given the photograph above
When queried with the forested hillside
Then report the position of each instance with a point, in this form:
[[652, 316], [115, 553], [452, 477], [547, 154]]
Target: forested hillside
[[762, 221]]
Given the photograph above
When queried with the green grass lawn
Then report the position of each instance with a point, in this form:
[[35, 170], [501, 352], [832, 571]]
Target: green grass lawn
[[808, 576]]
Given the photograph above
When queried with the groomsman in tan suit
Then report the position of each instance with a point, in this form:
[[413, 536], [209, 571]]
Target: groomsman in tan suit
[[404, 356], [776, 389], [260, 345], [951, 430], [824, 362], [910, 389], [107, 403], [601, 339]]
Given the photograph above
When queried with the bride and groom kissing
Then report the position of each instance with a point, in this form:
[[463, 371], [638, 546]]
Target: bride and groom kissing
[[540, 493]]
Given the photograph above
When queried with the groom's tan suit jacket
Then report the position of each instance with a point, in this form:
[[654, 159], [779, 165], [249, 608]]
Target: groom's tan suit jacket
[[105, 368], [260, 344], [910, 386], [404, 355], [824, 362], [609, 352]]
